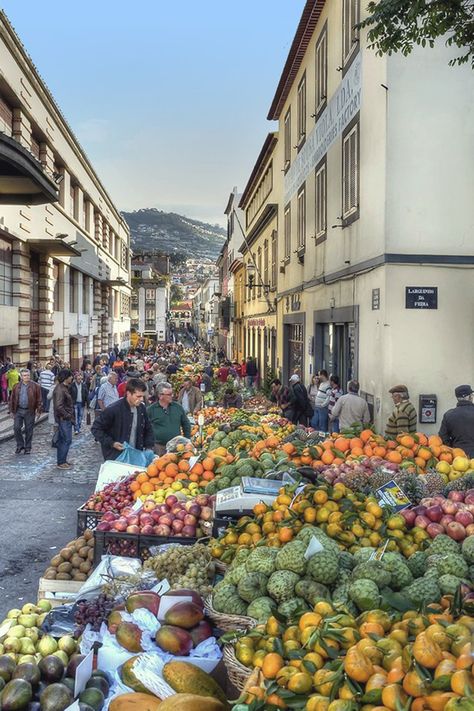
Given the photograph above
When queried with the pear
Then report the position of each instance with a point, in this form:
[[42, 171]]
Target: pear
[[12, 645], [17, 631], [32, 633], [13, 614], [27, 659], [27, 646], [67, 644], [28, 620], [28, 608], [44, 606], [41, 618], [2, 649], [13, 656], [62, 656], [47, 645]]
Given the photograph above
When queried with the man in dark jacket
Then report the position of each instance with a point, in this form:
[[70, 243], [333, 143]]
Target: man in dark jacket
[[298, 402], [125, 420], [64, 416], [457, 426], [25, 403], [80, 398]]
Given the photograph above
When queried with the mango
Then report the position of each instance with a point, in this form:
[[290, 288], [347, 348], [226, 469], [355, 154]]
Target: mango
[[113, 621], [195, 597], [143, 599], [184, 614], [174, 640], [185, 678], [201, 632], [135, 702], [129, 678], [129, 636], [191, 702]]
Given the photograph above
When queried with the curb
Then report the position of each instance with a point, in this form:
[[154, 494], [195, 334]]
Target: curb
[[9, 434]]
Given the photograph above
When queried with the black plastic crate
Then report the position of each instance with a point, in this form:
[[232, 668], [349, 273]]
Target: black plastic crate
[[87, 519], [220, 523], [131, 545]]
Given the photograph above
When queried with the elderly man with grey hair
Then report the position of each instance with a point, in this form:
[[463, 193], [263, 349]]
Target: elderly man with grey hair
[[351, 408], [25, 403], [167, 418], [108, 392]]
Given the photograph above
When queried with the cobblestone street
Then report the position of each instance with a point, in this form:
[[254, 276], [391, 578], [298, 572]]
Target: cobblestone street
[[38, 508]]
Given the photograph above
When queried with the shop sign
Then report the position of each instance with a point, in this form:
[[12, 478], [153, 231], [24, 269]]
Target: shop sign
[[421, 297], [341, 109], [375, 299], [256, 322]]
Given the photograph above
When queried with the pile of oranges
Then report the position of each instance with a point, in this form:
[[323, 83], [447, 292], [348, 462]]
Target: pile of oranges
[[170, 468]]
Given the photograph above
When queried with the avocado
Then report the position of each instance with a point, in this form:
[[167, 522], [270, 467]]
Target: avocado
[[93, 697], [70, 683], [7, 667], [2, 682], [103, 674], [28, 672], [16, 695], [98, 682], [51, 668], [56, 697]]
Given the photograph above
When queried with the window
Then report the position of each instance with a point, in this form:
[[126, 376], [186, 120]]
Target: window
[[321, 71], [301, 218], [84, 215], [56, 288], [256, 278], [288, 139], [6, 273], [259, 267], [262, 192], [35, 147], [72, 200], [265, 263], [6, 117], [350, 35], [350, 173], [150, 294], [321, 201], [72, 291], [86, 301], [301, 116], [274, 259], [287, 231], [105, 235]]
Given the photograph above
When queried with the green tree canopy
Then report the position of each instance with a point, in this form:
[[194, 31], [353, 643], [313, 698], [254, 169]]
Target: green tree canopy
[[398, 25]]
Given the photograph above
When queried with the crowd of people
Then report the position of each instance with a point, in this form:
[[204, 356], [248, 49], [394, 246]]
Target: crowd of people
[[127, 398]]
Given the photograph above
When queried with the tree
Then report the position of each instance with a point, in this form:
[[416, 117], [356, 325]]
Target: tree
[[398, 25], [176, 294]]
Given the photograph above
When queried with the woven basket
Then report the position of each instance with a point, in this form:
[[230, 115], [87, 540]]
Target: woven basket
[[225, 622], [237, 673], [220, 567]]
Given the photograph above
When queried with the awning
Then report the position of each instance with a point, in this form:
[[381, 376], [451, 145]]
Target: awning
[[22, 178], [53, 247]]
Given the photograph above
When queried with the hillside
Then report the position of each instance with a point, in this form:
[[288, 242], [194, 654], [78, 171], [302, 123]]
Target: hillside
[[152, 229]]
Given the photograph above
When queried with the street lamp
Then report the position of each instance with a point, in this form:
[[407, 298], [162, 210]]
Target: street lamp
[[251, 274]]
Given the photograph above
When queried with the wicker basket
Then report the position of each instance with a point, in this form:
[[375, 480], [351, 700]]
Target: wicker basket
[[225, 622], [220, 567], [237, 673]]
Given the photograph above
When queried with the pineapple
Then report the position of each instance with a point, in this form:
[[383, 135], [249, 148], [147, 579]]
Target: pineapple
[[413, 486], [464, 483], [379, 478], [434, 481]]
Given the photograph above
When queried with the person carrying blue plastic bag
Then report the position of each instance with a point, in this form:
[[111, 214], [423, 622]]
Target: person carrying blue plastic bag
[[125, 425], [135, 457]]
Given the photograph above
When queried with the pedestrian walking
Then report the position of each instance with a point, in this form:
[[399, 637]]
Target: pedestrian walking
[[13, 377], [335, 394], [125, 420], [167, 417], [190, 397], [64, 415], [108, 392], [321, 403], [46, 379], [80, 398], [25, 404], [313, 388], [251, 373], [403, 418], [457, 425], [350, 409]]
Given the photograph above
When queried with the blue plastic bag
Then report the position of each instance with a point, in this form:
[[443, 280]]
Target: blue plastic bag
[[135, 457]]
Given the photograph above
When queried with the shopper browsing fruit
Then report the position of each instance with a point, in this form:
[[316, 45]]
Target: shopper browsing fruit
[[167, 417], [321, 403], [64, 415], [125, 420], [457, 426], [403, 418], [351, 408], [25, 403]]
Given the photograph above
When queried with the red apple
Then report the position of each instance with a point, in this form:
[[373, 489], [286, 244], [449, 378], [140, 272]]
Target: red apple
[[422, 521], [109, 516], [202, 499], [176, 509], [146, 518], [171, 500], [177, 525], [193, 508], [449, 507], [103, 526], [456, 496], [464, 518], [434, 513], [447, 518], [419, 510], [181, 514], [189, 531], [132, 519], [133, 528], [434, 529], [147, 530], [162, 531], [190, 520], [206, 514], [120, 524], [165, 520], [155, 514], [469, 497], [456, 531]]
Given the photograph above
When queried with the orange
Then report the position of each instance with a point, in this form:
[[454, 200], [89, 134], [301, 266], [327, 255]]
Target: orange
[[394, 456], [198, 468], [272, 664], [327, 457], [147, 487], [143, 476], [289, 448], [171, 470], [356, 442], [365, 435], [134, 485], [183, 466], [208, 476], [208, 463], [342, 444], [285, 534], [406, 440], [152, 469]]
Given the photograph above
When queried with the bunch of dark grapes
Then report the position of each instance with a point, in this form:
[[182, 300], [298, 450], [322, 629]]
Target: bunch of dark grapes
[[92, 612]]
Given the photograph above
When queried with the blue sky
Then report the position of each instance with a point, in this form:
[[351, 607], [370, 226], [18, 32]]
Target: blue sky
[[168, 99]]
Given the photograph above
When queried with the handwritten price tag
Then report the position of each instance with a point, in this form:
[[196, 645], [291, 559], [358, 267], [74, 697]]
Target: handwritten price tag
[[83, 673]]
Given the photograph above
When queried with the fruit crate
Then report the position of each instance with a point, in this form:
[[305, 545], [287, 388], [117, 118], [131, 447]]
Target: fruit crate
[[58, 592], [87, 519], [220, 523], [131, 545]]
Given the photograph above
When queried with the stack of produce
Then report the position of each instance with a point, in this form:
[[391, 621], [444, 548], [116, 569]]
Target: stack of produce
[[114, 497], [189, 567], [453, 515], [74, 561]]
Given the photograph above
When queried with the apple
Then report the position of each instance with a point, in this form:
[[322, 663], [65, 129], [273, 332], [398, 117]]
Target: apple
[[456, 496], [103, 526], [177, 525], [148, 506], [192, 508], [447, 518], [469, 498], [132, 519], [422, 521], [434, 529], [189, 531], [165, 520], [146, 518], [176, 509], [202, 499], [464, 518], [147, 530], [434, 513], [109, 516], [133, 528], [171, 500], [190, 520], [162, 530], [120, 524], [456, 531], [155, 514], [206, 514], [449, 507], [419, 510], [470, 529], [181, 514]]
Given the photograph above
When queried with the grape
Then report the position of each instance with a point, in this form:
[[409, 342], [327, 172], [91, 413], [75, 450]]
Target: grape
[[92, 612]]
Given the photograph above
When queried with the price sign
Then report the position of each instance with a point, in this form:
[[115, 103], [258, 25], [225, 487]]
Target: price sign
[[83, 673], [391, 495], [314, 546]]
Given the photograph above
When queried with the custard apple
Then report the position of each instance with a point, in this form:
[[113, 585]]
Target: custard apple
[[241, 556], [226, 599], [340, 594], [309, 532], [261, 609], [453, 565], [251, 586], [292, 608], [362, 555], [423, 590], [401, 575], [234, 574], [346, 560], [443, 545], [323, 567], [431, 572], [471, 573], [365, 594], [281, 585], [311, 591], [448, 584], [291, 557], [468, 549], [417, 563], [262, 560], [372, 570]]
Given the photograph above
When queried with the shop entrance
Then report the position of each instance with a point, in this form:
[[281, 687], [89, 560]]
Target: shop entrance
[[336, 345], [293, 343]]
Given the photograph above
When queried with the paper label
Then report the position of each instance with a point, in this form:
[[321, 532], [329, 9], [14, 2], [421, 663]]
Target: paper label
[[314, 546], [391, 495], [83, 673], [137, 506], [168, 601], [74, 707], [298, 491], [193, 461], [161, 588], [5, 627]]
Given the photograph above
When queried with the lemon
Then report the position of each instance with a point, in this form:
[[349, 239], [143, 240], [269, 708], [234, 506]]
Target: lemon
[[443, 467], [461, 464]]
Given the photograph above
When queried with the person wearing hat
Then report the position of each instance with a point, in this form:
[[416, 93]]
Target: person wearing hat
[[404, 417], [457, 425]]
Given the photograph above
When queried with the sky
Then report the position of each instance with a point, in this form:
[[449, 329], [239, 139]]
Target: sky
[[168, 99]]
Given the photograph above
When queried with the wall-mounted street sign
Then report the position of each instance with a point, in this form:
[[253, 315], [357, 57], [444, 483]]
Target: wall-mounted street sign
[[375, 299], [421, 297]]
